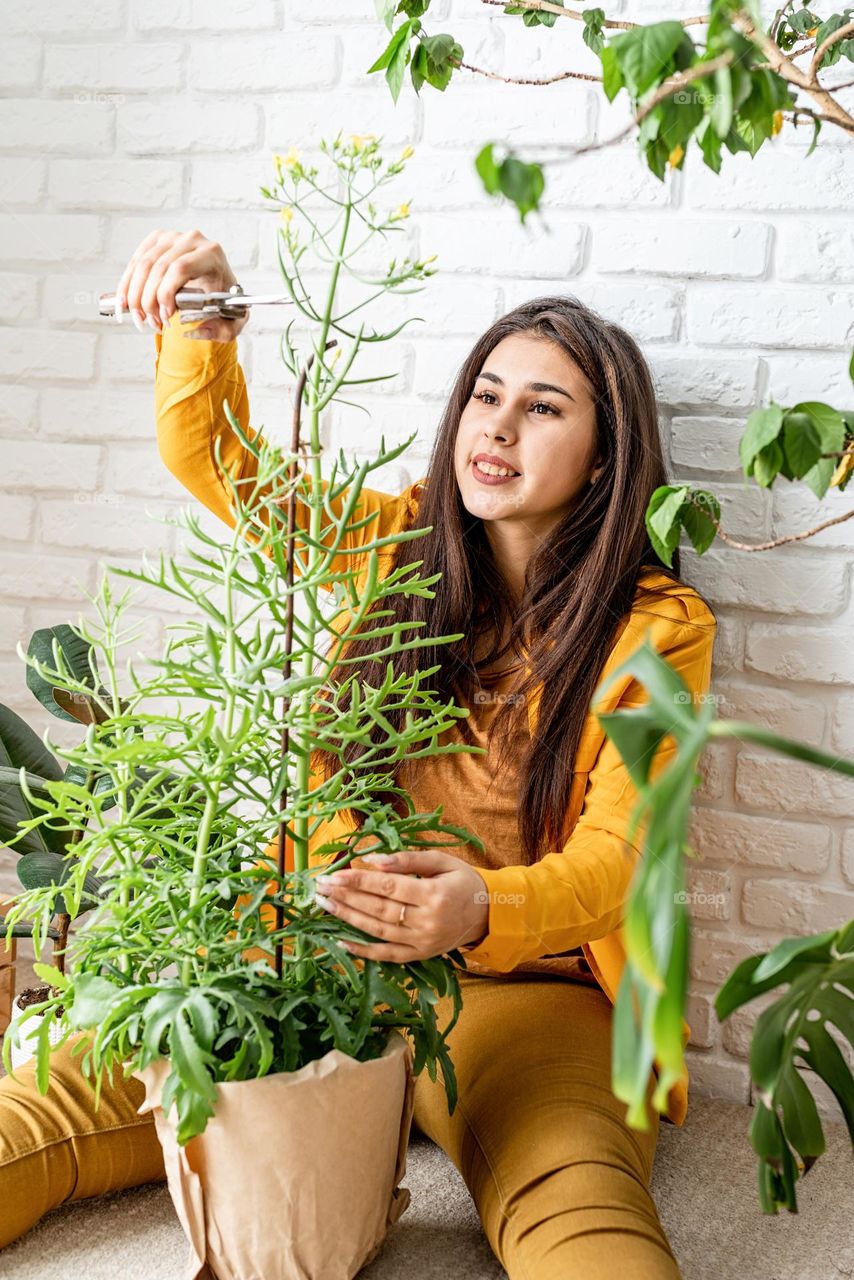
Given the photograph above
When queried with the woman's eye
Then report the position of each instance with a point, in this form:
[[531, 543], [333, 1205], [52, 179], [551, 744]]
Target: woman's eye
[[488, 398]]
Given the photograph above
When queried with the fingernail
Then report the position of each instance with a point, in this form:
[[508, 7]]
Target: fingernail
[[164, 314], [154, 323], [120, 302], [382, 858], [139, 320]]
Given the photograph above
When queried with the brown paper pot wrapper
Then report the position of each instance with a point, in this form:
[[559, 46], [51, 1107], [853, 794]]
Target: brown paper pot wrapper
[[296, 1175]]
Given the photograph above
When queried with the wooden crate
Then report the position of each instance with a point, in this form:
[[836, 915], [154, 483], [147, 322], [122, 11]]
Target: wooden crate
[[7, 974]]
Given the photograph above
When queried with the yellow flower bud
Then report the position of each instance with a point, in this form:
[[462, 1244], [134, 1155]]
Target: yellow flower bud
[[778, 123], [286, 215], [407, 152], [846, 466], [675, 156]]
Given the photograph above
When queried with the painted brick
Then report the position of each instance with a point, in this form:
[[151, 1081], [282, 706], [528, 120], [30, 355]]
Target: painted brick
[[83, 128], [51, 17], [270, 63], [770, 317], [794, 908], [741, 839], [116, 185], [787, 786], [21, 63], [122, 68], [779, 581], [814, 251], [44, 353], [202, 15], [147, 128], [795, 653], [696, 247], [36, 464], [22, 180], [706, 444]]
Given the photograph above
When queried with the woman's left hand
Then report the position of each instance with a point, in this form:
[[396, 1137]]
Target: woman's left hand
[[447, 908]]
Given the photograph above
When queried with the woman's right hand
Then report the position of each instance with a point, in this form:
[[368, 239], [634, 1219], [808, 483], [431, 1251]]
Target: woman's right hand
[[164, 263]]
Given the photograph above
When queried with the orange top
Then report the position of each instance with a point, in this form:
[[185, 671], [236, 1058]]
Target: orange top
[[575, 895]]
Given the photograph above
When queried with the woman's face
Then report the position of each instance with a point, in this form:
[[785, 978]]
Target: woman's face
[[532, 407]]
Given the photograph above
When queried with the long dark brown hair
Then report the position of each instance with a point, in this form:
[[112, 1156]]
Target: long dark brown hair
[[580, 585]]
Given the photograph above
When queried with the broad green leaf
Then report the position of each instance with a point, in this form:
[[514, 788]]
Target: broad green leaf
[[700, 516], [662, 519], [39, 870], [16, 808], [78, 656], [93, 999], [21, 745], [763, 427], [720, 116], [805, 949], [644, 54], [612, 76], [801, 441]]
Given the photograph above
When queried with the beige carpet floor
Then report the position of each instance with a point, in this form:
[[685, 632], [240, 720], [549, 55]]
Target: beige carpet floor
[[704, 1185]]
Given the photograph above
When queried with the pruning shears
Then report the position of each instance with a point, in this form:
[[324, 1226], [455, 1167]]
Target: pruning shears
[[195, 305]]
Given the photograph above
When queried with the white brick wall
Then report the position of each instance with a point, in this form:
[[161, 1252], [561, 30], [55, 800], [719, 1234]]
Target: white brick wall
[[119, 117]]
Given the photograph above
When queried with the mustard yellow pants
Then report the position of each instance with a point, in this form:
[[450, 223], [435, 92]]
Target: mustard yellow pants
[[560, 1183]]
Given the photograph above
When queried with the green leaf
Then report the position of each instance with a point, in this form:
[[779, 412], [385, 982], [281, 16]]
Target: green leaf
[[487, 170], [644, 54], [51, 975], [700, 516], [385, 11], [519, 182], [763, 426], [93, 999], [437, 59], [39, 870], [767, 464], [815, 132], [813, 949], [395, 56], [830, 426], [592, 33], [77, 654], [818, 973], [710, 145], [801, 442], [612, 76], [16, 808], [21, 745], [662, 519], [720, 116]]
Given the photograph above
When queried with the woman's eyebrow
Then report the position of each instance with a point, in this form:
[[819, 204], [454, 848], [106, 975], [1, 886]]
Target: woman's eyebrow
[[529, 386]]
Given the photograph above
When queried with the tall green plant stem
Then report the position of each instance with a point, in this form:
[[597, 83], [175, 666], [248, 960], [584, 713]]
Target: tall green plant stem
[[212, 799], [301, 834]]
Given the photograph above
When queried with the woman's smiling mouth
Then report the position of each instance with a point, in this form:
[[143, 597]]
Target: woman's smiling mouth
[[486, 473]]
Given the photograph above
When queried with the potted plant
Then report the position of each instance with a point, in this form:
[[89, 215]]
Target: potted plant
[[204, 963], [26, 768]]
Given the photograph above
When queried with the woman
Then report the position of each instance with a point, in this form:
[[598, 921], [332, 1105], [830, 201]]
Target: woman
[[549, 572]]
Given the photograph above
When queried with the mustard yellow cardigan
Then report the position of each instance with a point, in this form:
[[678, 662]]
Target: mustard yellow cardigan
[[574, 895]]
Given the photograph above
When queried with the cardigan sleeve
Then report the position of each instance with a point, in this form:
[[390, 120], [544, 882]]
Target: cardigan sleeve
[[193, 378], [579, 893]]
